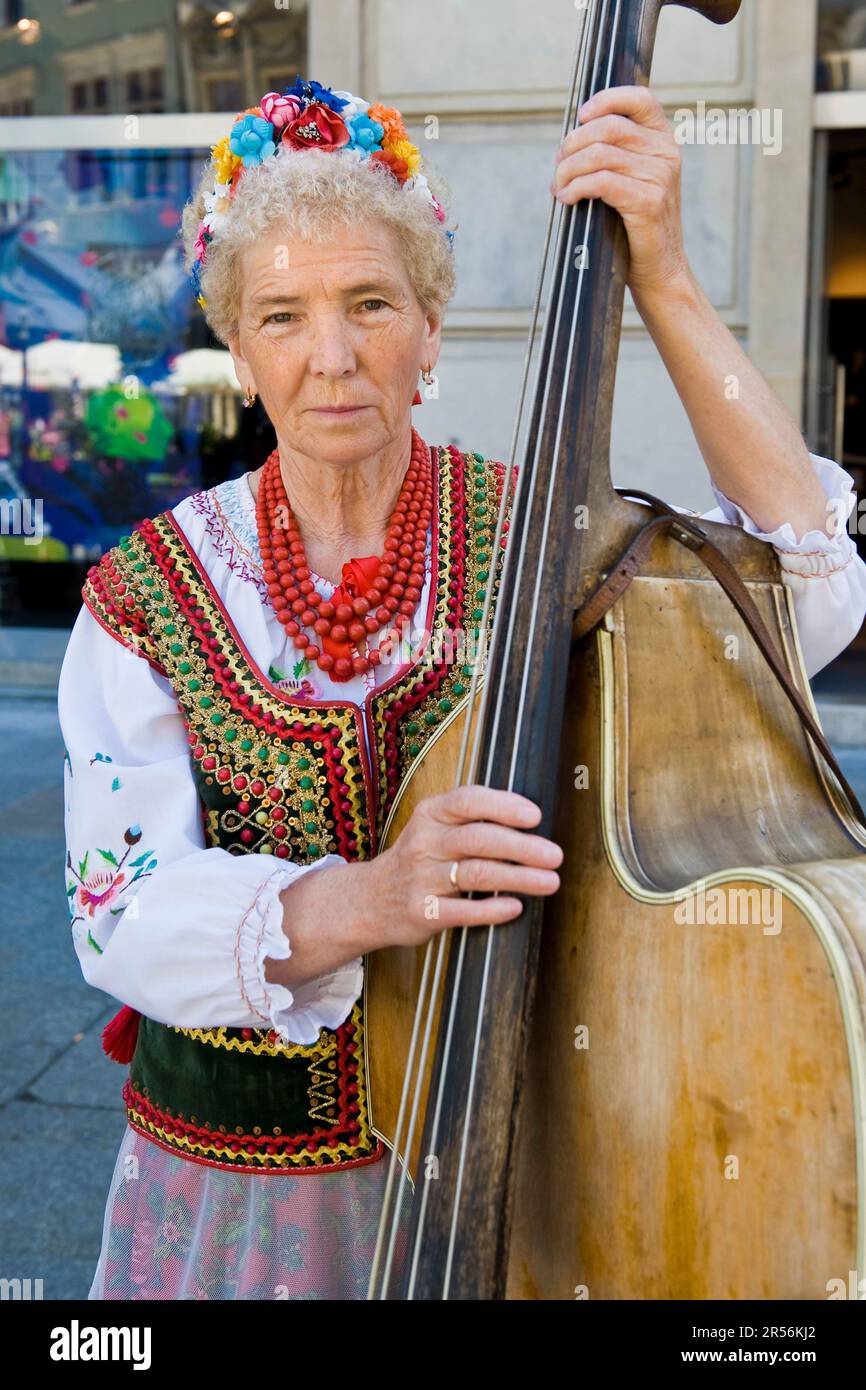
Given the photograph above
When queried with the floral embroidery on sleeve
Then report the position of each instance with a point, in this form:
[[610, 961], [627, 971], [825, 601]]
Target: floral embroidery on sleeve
[[96, 886]]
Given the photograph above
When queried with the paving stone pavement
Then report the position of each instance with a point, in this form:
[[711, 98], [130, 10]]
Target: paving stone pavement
[[61, 1112]]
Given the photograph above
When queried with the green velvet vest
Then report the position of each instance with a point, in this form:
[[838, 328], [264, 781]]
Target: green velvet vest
[[292, 780]]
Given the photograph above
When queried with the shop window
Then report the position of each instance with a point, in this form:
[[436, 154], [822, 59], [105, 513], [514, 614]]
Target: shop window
[[90, 97], [145, 90]]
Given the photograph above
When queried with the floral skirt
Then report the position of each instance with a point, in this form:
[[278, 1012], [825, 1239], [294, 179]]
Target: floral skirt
[[176, 1229]]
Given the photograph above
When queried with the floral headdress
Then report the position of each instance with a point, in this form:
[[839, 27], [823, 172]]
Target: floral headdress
[[308, 116]]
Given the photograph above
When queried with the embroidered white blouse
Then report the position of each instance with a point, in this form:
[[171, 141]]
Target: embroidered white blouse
[[182, 933]]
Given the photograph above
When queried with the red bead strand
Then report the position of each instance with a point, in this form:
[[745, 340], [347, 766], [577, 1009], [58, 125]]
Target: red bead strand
[[395, 588]]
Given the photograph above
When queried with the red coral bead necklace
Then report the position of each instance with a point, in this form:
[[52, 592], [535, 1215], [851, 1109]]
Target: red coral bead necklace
[[375, 590]]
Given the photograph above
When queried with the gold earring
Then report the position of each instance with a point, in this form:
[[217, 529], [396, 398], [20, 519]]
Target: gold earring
[[427, 374], [250, 397]]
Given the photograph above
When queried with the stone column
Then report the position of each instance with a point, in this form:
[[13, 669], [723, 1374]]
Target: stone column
[[785, 37]]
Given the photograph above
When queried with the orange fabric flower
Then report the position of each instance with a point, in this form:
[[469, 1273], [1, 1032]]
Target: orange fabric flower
[[391, 122]]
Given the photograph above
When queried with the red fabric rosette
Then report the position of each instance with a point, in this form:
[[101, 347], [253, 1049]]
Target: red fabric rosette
[[318, 127], [358, 576], [399, 167]]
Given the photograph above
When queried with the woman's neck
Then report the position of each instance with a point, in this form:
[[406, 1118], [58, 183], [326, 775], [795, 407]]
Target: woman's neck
[[342, 510]]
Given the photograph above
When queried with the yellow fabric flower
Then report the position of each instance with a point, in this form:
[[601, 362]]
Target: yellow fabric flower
[[224, 161], [404, 149]]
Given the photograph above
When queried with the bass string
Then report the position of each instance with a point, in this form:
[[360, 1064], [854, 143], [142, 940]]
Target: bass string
[[578, 66], [425, 1003], [469, 756], [429, 988], [565, 229], [572, 212], [520, 714]]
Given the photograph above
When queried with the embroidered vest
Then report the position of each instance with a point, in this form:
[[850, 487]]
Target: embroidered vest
[[294, 781]]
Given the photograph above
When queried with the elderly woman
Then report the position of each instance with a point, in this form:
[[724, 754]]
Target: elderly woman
[[252, 674]]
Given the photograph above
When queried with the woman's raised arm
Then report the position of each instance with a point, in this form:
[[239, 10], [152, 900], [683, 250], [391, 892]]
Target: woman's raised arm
[[826, 575]]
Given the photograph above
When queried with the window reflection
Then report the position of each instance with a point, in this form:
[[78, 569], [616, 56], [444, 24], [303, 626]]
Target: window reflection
[[115, 402], [841, 45], [118, 58]]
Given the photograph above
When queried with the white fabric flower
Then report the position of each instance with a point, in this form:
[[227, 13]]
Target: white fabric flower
[[357, 106], [419, 185], [216, 204]]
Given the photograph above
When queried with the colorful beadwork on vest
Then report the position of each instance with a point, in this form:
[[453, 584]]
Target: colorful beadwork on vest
[[292, 780]]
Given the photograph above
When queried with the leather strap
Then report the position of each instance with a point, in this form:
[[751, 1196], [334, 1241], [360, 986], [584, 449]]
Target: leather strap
[[688, 533]]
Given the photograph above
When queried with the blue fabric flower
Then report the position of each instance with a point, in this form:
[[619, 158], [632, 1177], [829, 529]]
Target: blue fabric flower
[[252, 137], [365, 134], [314, 91]]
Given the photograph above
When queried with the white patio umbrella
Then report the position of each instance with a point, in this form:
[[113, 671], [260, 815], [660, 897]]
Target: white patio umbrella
[[10, 367], [202, 367], [62, 361]]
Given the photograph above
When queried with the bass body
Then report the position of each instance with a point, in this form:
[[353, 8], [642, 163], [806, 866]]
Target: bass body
[[692, 1110]]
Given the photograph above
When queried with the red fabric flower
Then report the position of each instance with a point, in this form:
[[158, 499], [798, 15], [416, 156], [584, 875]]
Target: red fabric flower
[[358, 576], [317, 127], [399, 167]]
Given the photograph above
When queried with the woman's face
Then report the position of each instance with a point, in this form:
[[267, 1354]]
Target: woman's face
[[333, 323]]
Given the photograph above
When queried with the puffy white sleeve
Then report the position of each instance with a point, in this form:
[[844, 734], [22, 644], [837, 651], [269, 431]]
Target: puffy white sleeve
[[173, 928], [826, 575]]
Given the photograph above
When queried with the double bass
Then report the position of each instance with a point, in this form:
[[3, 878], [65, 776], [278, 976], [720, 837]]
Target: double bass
[[651, 1085]]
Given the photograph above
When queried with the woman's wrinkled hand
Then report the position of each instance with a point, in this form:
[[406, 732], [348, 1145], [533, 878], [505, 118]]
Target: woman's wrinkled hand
[[490, 834], [624, 152]]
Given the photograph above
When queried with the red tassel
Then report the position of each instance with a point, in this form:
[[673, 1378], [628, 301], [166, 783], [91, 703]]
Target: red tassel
[[121, 1034], [417, 400]]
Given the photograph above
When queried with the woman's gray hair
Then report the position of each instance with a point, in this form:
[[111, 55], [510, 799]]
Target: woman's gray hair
[[305, 196]]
